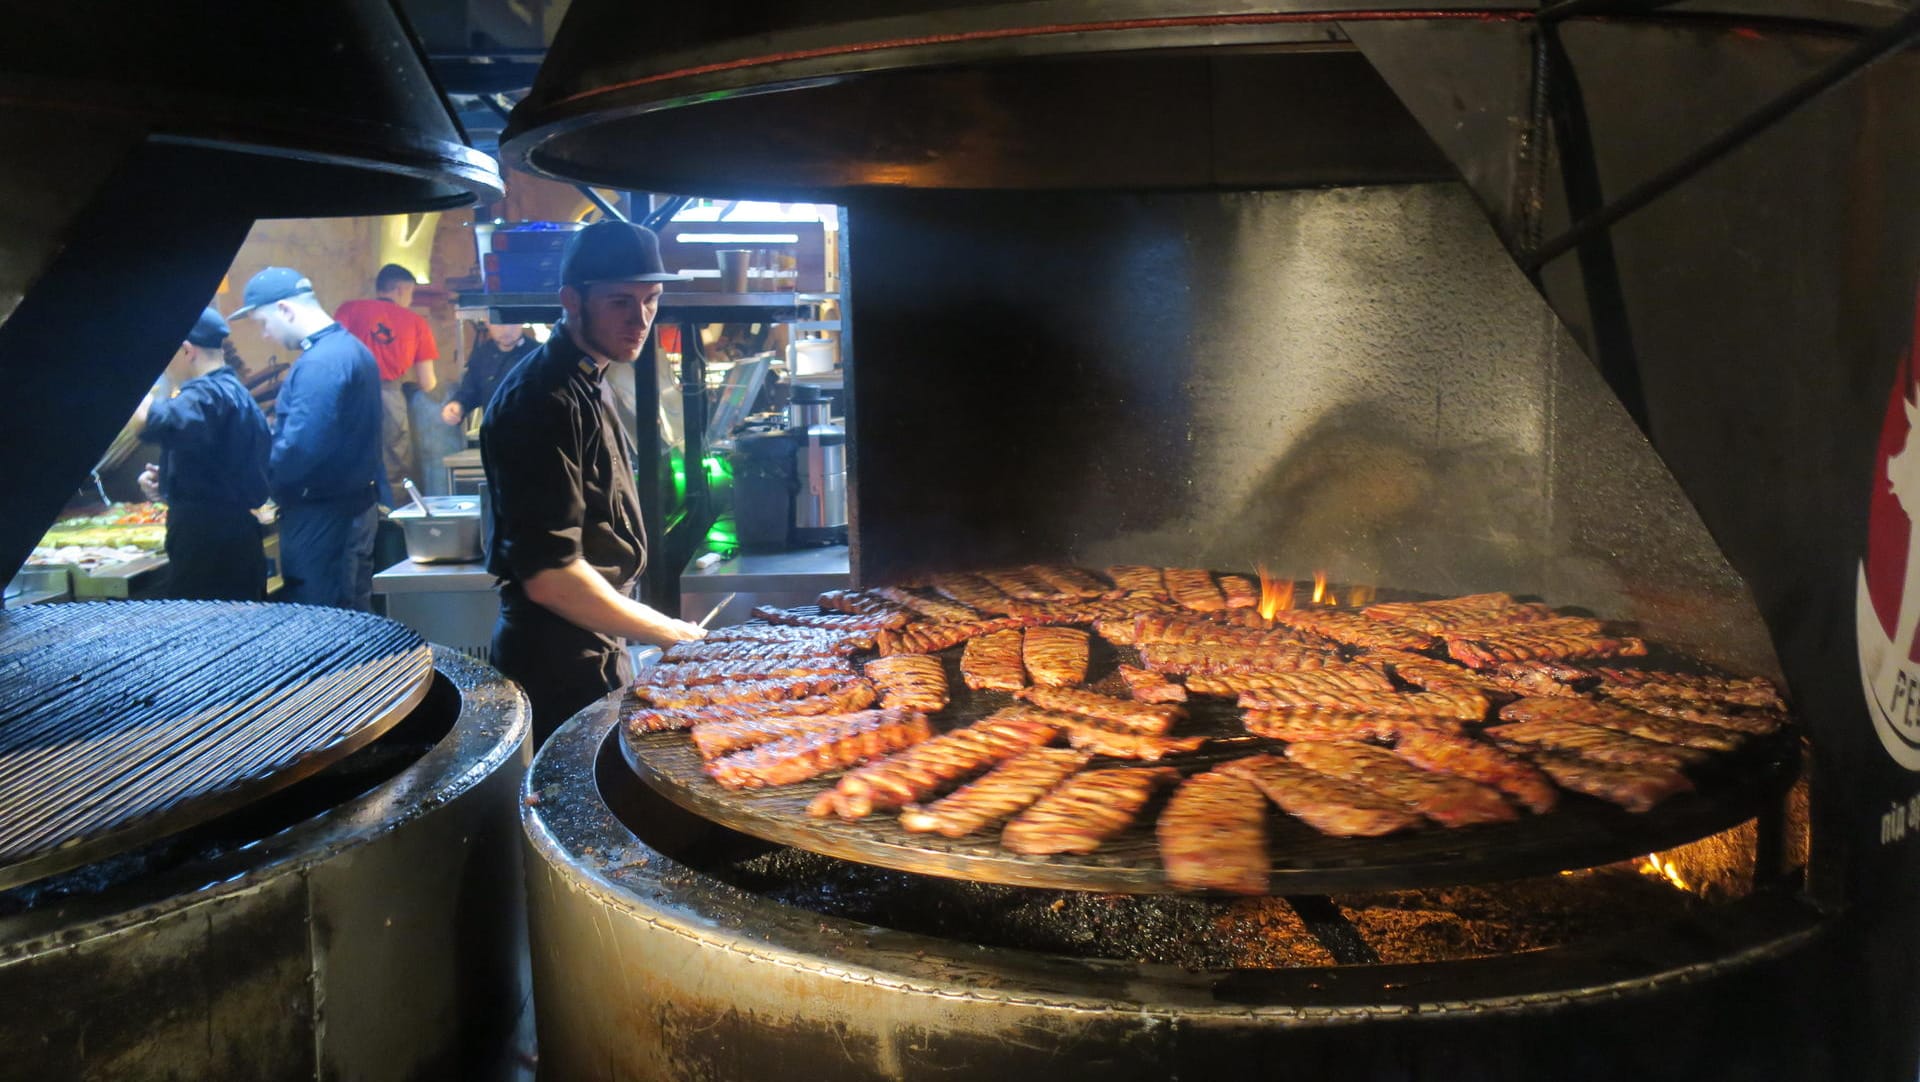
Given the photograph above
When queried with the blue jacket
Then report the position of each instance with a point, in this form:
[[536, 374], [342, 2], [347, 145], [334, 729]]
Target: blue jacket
[[326, 442], [213, 442]]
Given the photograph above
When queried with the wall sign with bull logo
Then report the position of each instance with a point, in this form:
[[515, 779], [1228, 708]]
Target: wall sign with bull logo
[[1887, 612]]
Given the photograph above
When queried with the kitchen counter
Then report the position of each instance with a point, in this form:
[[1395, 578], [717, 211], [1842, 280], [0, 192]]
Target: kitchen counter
[[408, 577], [763, 578], [453, 605]]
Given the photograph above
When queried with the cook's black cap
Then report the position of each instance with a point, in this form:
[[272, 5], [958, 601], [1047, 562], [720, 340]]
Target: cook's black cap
[[614, 251], [209, 330]]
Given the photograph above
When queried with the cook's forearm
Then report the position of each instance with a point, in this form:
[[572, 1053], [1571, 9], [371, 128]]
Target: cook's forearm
[[578, 595]]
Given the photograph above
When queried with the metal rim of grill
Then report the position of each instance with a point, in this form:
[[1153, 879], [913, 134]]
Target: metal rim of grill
[[122, 722]]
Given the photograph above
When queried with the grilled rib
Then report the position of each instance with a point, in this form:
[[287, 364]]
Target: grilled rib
[[1085, 610], [1594, 742], [642, 718], [1138, 579], [1072, 581], [1463, 704], [1456, 753], [1438, 676], [1306, 687], [698, 650], [1224, 659], [1018, 583], [1106, 738], [1147, 686], [993, 661], [1213, 835], [1328, 805], [1755, 722], [1475, 610], [1753, 691], [1353, 629], [744, 691], [861, 603], [696, 673], [928, 767], [1314, 723], [1446, 799], [1055, 656], [929, 638], [800, 639], [861, 737], [1608, 716], [1193, 588], [1240, 591], [909, 681], [1635, 788], [1184, 628], [932, 608], [971, 590], [1005, 790], [833, 621], [723, 730], [1545, 640], [1084, 811], [1153, 719]]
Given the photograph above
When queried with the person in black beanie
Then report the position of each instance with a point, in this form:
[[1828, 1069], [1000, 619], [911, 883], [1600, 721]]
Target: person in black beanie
[[212, 471], [566, 537]]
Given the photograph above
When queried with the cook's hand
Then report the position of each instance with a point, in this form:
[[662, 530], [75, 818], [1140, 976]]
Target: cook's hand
[[150, 482], [451, 413], [672, 630]]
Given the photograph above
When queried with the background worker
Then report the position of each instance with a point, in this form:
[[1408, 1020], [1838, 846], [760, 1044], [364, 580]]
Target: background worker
[[402, 342], [325, 465], [212, 473]]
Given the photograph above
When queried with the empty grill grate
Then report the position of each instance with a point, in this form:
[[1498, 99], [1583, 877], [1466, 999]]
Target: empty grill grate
[[122, 722]]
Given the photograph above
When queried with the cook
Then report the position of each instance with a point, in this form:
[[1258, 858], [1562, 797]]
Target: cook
[[566, 535]]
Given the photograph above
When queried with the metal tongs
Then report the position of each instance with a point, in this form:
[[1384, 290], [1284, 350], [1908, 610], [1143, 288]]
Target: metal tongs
[[407, 483]]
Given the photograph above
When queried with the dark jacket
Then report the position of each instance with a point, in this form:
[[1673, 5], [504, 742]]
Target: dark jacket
[[326, 445], [214, 443], [485, 366]]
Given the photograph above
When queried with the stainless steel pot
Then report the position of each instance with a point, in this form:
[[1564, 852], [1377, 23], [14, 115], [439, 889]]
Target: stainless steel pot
[[450, 534]]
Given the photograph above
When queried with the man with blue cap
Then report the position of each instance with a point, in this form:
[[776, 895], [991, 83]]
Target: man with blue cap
[[566, 537], [212, 471], [325, 467]]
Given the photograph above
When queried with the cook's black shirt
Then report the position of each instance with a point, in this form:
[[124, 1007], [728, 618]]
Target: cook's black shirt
[[559, 472], [213, 443]]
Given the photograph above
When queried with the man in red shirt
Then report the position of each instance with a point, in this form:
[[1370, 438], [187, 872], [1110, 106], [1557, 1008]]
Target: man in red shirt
[[402, 341]]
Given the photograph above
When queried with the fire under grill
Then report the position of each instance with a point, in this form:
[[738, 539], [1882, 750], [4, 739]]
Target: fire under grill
[[124, 723]]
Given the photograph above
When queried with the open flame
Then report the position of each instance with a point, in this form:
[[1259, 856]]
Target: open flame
[[1663, 869], [1360, 595], [1321, 595], [1275, 594]]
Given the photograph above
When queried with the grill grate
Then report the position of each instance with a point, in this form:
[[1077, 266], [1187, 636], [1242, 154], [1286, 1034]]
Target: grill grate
[[122, 722]]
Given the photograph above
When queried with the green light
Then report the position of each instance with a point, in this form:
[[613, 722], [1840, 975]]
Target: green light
[[678, 464]]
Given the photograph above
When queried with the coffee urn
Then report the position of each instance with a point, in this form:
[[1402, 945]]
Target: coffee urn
[[820, 466]]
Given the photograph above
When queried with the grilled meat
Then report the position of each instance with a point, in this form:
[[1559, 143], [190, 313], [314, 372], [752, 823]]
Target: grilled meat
[[641, 717], [1594, 742], [928, 767], [1240, 591], [1055, 656], [861, 737], [1446, 799], [858, 603], [1193, 588], [1755, 722], [1020, 584], [833, 621], [723, 730], [1005, 790], [1153, 719], [1635, 788], [1147, 686], [1544, 640], [1084, 811], [1224, 659], [1456, 753], [1070, 581], [1314, 723], [1085, 610], [1328, 805], [696, 673], [1104, 738], [1185, 628], [1307, 687], [931, 608], [930, 638], [1136, 579], [993, 661], [909, 681], [701, 650], [1609, 716], [745, 691], [1213, 835], [1753, 691], [972, 591], [1353, 629], [1475, 610], [801, 640]]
